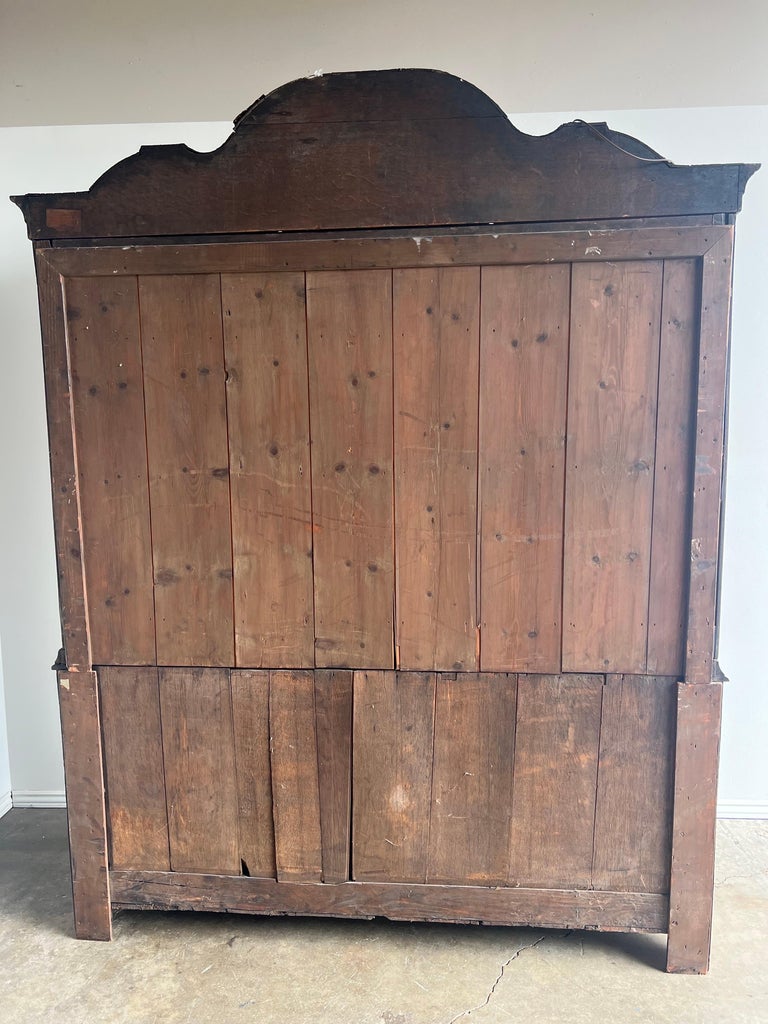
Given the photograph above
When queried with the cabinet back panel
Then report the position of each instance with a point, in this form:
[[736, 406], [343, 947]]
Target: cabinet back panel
[[445, 468], [554, 782]]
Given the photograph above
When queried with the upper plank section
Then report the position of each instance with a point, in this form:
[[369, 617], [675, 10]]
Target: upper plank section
[[382, 149]]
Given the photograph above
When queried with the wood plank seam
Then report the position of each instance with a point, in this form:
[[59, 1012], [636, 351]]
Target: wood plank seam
[[395, 630], [597, 782], [565, 465], [149, 502], [655, 465], [478, 485], [309, 473], [229, 481]]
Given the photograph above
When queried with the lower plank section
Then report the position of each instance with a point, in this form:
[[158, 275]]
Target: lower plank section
[[540, 908]]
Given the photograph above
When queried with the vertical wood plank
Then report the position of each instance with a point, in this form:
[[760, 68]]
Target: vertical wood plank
[[295, 788], [614, 365], [133, 768], [553, 805], [108, 405], [333, 711], [633, 825], [436, 344], [472, 779], [199, 753], [350, 371], [699, 709], [61, 440], [86, 814], [250, 719], [268, 412], [709, 454], [188, 468], [675, 439], [523, 384], [392, 744]]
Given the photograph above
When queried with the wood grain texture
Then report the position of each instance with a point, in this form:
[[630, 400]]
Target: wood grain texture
[[333, 722], [392, 775], [472, 779], [108, 406], [709, 453], [86, 818], [429, 159], [613, 379], [295, 787], [502, 244], [435, 326], [188, 468], [349, 322], [675, 439], [699, 709], [633, 823], [64, 482], [268, 414], [250, 720], [133, 768], [523, 385], [200, 781], [553, 804], [539, 908]]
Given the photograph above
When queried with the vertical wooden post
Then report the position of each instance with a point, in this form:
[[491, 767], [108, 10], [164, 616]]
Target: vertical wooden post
[[693, 827], [81, 733], [699, 701]]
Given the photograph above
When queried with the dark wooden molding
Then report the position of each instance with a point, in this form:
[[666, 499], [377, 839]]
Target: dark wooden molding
[[382, 149], [512, 905]]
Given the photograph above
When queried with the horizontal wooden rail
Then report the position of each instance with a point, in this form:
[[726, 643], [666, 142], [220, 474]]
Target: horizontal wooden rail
[[541, 908]]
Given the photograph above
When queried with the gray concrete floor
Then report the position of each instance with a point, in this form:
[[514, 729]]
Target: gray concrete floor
[[174, 968]]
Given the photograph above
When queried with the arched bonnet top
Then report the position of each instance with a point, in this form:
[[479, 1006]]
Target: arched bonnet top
[[382, 149]]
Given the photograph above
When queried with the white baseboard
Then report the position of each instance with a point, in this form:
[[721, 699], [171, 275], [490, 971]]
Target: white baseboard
[[39, 798], [5, 803], [739, 809]]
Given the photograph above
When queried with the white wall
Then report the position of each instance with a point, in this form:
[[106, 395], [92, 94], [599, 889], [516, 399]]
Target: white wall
[[5, 764], [28, 603], [82, 62]]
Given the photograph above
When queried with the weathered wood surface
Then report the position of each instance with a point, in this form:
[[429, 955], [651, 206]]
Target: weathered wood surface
[[188, 468], [612, 383], [635, 788], [64, 482], [553, 803], [86, 818], [295, 786], [200, 780], [472, 779], [675, 439], [349, 324], [133, 768], [523, 393], [436, 352], [108, 407], [503, 244], [250, 722], [540, 908], [392, 775], [333, 725], [431, 159], [699, 709], [709, 455], [268, 417]]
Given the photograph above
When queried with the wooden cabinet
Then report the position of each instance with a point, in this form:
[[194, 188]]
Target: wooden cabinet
[[387, 449]]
